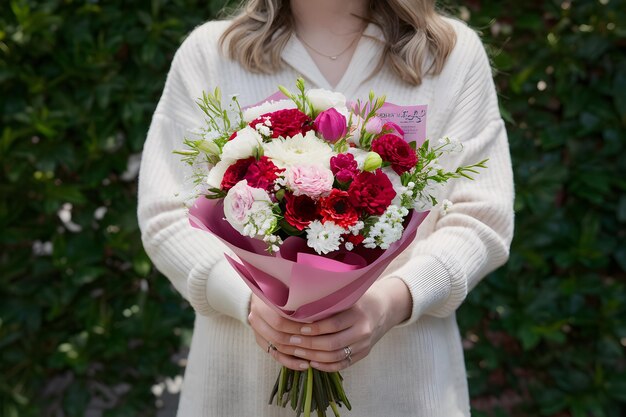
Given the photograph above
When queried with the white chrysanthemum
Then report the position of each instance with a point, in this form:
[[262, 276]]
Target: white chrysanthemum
[[325, 99], [252, 113], [242, 146], [299, 150], [324, 237], [356, 227]]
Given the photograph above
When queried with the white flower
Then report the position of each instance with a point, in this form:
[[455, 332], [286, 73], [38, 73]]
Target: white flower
[[359, 156], [446, 205], [354, 135], [216, 174], [324, 237], [387, 229], [451, 145], [261, 219], [248, 209], [424, 199], [252, 113], [242, 146], [324, 99], [299, 150]]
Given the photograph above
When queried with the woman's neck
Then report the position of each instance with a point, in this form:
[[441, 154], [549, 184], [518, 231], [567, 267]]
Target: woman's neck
[[335, 17]]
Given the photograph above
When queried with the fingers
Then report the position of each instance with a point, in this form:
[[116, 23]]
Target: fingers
[[259, 309], [333, 324], [342, 364], [286, 360], [326, 357]]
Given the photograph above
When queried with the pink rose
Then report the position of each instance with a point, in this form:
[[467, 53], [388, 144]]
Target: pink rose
[[311, 180], [239, 202], [331, 125]]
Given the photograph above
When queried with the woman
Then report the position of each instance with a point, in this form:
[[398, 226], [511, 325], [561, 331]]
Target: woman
[[398, 347]]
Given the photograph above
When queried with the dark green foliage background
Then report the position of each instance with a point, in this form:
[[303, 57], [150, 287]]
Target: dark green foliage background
[[79, 80]]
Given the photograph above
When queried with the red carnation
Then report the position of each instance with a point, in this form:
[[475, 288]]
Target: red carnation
[[395, 150], [300, 210], [235, 173], [259, 174], [262, 173], [286, 123], [344, 167], [336, 208], [372, 192]]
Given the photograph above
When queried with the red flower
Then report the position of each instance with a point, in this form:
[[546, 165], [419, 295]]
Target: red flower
[[259, 174], [354, 239], [262, 173], [372, 192], [300, 210], [344, 167], [336, 208], [288, 122], [235, 173], [395, 150]]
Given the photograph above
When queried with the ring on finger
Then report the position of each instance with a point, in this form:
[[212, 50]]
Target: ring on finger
[[270, 346], [348, 351]]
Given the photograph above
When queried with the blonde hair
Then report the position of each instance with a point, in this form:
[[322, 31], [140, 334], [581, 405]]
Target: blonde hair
[[418, 39]]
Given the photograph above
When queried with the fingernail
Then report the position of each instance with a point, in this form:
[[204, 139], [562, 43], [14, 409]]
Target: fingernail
[[299, 352], [305, 329], [315, 364], [295, 340], [304, 365]]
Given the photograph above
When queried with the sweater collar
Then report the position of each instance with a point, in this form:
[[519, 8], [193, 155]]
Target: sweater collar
[[365, 58]]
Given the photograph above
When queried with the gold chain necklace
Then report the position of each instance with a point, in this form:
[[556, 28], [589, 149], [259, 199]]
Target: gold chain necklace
[[333, 57]]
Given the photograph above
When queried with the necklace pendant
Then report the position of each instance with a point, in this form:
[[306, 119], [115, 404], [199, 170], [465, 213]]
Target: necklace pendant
[[333, 58]]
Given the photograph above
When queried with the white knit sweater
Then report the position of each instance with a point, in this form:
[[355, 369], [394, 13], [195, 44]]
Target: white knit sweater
[[417, 368]]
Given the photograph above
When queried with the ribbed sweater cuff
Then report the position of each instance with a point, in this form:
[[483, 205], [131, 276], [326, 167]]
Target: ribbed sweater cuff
[[429, 284], [219, 289]]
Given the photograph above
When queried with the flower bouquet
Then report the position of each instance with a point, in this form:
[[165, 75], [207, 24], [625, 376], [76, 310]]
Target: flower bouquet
[[315, 197]]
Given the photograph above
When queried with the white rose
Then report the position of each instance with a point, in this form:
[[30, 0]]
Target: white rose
[[242, 146], [359, 156], [324, 99], [252, 113], [396, 182], [216, 174], [241, 201]]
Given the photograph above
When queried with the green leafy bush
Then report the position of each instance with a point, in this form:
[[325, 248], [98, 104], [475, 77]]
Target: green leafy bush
[[85, 319]]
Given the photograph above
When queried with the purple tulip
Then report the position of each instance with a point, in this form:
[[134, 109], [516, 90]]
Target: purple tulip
[[331, 125]]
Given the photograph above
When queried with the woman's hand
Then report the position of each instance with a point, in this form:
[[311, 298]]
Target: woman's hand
[[325, 344]]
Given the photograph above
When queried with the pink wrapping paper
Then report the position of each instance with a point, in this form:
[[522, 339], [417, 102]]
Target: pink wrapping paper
[[296, 282]]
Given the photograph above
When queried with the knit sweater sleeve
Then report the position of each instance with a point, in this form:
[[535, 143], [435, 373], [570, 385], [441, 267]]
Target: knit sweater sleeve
[[473, 239], [192, 260]]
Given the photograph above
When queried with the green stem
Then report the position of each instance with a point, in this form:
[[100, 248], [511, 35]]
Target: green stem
[[294, 390], [281, 385], [309, 392]]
